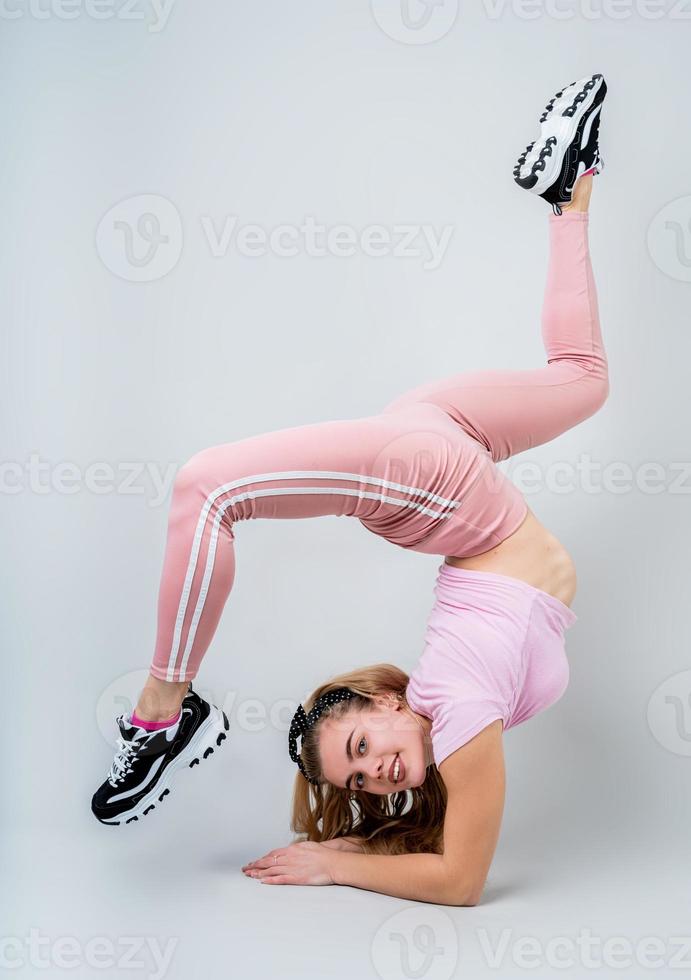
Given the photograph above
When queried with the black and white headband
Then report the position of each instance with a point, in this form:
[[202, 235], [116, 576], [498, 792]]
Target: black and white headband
[[302, 722]]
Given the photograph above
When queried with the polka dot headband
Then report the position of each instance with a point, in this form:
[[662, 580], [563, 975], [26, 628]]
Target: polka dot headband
[[302, 723]]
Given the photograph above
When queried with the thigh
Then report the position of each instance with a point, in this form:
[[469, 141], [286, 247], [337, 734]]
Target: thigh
[[361, 467], [509, 411]]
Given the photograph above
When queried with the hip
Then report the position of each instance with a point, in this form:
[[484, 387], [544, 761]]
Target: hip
[[465, 504]]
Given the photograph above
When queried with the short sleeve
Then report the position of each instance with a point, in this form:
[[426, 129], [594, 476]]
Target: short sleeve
[[460, 721]]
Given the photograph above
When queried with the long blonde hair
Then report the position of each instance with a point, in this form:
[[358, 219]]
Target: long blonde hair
[[386, 824]]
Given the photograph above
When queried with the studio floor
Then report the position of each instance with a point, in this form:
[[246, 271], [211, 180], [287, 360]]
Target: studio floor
[[168, 899]]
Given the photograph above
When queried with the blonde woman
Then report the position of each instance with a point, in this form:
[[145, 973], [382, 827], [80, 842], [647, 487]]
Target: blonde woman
[[400, 781]]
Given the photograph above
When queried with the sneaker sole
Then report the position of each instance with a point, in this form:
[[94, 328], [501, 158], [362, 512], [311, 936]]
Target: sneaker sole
[[209, 736], [564, 129]]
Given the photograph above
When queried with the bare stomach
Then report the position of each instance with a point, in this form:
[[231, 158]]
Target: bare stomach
[[531, 554]]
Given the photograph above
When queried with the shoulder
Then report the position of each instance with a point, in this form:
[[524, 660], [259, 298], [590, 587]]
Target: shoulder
[[481, 756], [459, 721]]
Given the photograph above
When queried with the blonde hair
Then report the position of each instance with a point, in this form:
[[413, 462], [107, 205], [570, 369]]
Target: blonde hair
[[384, 824]]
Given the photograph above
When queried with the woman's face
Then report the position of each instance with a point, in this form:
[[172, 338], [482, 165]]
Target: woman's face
[[359, 750]]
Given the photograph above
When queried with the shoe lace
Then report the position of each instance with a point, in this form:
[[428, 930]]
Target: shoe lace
[[124, 757]]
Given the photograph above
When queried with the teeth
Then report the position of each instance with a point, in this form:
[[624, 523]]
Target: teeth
[[396, 770]]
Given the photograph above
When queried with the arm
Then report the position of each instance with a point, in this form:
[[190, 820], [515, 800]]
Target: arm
[[475, 781], [352, 843], [421, 877]]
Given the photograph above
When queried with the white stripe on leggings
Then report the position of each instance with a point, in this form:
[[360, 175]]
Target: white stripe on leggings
[[274, 491]]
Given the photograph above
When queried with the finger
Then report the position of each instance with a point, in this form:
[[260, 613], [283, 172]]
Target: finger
[[265, 862], [257, 863], [249, 864], [283, 879], [271, 871], [268, 857]]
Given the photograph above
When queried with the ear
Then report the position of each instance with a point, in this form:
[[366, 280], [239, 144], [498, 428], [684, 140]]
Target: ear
[[389, 700]]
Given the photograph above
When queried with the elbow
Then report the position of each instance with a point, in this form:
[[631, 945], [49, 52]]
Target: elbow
[[467, 900], [474, 895], [468, 896]]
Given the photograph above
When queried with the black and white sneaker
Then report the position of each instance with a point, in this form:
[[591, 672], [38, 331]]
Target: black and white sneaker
[[146, 762], [568, 145]]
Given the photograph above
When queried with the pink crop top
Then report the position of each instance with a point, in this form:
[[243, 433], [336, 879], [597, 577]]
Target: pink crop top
[[494, 648]]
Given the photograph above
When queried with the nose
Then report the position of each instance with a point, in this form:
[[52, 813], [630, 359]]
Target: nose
[[376, 770]]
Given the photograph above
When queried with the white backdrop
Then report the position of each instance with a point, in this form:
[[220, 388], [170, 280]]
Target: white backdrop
[[204, 209]]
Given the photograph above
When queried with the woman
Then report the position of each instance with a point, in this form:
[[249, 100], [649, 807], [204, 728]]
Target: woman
[[400, 786]]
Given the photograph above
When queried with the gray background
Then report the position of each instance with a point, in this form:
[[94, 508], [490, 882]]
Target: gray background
[[273, 111]]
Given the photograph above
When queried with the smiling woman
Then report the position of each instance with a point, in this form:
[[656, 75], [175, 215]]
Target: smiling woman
[[407, 770], [349, 757]]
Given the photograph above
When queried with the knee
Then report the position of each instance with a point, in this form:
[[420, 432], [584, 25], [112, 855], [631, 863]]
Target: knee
[[594, 391], [193, 477], [600, 389], [588, 390]]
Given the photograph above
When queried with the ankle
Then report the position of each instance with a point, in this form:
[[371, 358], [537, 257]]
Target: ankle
[[160, 700], [580, 200], [154, 717], [573, 206], [154, 726]]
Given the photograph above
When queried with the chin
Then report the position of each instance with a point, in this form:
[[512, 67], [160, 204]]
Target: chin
[[415, 780]]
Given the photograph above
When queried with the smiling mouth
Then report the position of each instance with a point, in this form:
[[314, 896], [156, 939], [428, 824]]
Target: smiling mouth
[[397, 769]]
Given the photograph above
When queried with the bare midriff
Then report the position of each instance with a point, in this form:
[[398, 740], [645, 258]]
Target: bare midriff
[[532, 554]]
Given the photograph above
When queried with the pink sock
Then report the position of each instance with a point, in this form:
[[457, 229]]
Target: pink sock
[[591, 171], [154, 726]]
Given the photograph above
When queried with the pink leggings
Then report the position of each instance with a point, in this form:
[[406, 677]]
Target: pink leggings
[[420, 473]]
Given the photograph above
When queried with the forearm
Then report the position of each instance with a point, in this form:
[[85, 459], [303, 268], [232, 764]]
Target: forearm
[[421, 877], [353, 843]]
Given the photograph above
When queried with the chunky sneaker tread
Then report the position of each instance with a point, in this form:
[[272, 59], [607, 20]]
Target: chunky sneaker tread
[[146, 762], [568, 145]]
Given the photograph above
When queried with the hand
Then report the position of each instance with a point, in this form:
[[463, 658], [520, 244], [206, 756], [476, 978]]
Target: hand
[[302, 863]]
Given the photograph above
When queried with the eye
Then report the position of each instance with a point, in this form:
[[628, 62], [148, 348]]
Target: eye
[[359, 775]]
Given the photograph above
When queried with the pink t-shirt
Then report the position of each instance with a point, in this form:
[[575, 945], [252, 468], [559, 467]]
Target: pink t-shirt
[[494, 648]]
